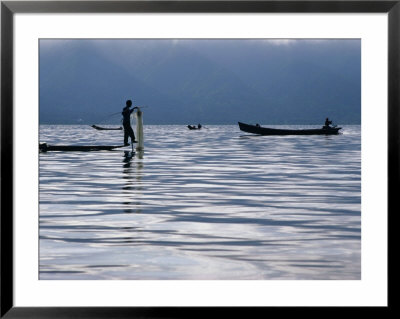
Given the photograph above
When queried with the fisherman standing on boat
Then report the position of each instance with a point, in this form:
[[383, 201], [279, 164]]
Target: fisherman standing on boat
[[126, 121], [327, 123]]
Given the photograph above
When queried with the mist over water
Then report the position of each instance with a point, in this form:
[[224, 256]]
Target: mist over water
[[211, 204]]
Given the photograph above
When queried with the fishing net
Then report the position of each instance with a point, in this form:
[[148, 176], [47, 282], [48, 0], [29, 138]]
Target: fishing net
[[139, 129]]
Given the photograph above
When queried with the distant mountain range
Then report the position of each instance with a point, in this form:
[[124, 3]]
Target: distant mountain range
[[201, 81]]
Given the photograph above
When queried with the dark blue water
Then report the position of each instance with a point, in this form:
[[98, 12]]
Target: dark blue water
[[211, 204]]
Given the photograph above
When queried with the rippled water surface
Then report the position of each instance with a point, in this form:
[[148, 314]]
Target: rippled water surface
[[210, 204]]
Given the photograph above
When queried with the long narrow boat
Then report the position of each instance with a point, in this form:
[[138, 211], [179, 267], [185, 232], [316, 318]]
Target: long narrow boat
[[44, 147], [100, 128], [192, 127], [256, 129]]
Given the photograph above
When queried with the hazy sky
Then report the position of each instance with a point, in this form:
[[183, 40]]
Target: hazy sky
[[210, 81]]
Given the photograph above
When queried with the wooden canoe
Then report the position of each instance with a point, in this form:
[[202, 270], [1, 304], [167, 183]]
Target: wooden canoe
[[256, 129], [100, 128], [192, 127], [44, 147]]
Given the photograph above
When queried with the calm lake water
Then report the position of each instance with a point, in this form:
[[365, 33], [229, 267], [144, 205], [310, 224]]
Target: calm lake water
[[211, 204]]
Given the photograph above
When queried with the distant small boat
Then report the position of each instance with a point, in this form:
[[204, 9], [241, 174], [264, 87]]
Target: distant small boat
[[44, 147], [193, 127], [257, 129], [106, 128]]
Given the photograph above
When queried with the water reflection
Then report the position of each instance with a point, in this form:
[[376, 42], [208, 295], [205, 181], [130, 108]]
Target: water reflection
[[132, 176], [210, 205], [128, 155]]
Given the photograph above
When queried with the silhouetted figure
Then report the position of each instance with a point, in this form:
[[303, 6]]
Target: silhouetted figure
[[126, 122], [193, 127], [327, 123]]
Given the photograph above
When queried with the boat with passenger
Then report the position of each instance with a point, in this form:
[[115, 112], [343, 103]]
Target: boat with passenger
[[258, 129], [193, 127]]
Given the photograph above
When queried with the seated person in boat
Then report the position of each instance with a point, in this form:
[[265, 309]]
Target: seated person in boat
[[193, 127], [126, 122], [327, 123]]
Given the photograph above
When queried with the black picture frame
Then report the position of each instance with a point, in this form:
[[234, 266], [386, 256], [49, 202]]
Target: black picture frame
[[9, 8]]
